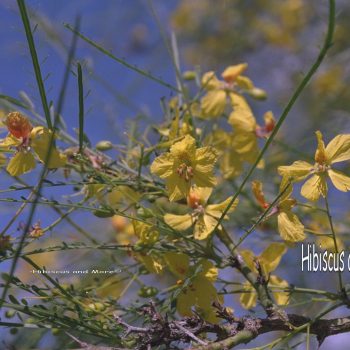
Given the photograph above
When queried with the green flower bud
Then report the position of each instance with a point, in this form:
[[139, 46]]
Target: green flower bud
[[10, 313], [104, 145], [189, 75], [257, 93]]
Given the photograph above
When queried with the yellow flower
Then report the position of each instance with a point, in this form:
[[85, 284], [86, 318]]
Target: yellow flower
[[338, 150], [204, 217], [196, 285], [147, 235], [247, 131], [214, 101], [230, 162], [25, 138], [269, 259], [289, 225], [185, 165]]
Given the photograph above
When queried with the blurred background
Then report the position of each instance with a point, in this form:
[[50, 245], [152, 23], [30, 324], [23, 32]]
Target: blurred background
[[278, 39]]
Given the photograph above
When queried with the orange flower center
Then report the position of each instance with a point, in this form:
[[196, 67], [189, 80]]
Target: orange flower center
[[18, 125], [193, 200]]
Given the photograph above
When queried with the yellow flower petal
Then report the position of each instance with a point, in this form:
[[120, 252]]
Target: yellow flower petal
[[201, 194], [242, 118], [21, 163], [163, 166], [290, 227], [271, 256], [210, 81], [214, 103], [178, 263], [216, 210], [338, 150], [199, 295], [209, 271], [184, 303], [249, 297], [153, 262], [257, 190], [327, 243], [231, 165], [179, 222], [184, 149], [205, 294], [339, 180], [314, 188], [205, 159], [40, 142], [177, 187], [204, 226], [9, 141], [232, 72], [244, 83], [246, 144], [298, 170], [281, 298], [285, 187], [320, 155], [248, 258]]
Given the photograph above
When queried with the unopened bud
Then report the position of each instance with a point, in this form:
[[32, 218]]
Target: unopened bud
[[189, 75], [257, 93], [104, 146]]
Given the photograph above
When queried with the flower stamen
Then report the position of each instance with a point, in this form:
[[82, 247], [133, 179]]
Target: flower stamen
[[185, 171]]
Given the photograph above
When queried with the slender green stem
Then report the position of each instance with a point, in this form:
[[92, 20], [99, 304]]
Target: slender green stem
[[262, 217], [119, 60], [35, 61], [81, 108], [330, 220]]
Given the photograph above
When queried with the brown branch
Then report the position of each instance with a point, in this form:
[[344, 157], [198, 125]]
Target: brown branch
[[160, 331], [322, 328]]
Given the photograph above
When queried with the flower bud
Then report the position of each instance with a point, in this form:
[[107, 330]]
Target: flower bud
[[18, 125], [257, 93], [104, 145], [189, 75]]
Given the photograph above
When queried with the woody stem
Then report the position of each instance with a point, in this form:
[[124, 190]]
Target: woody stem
[[261, 289]]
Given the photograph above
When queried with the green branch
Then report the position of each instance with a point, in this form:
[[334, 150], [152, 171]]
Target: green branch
[[36, 65], [119, 60]]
